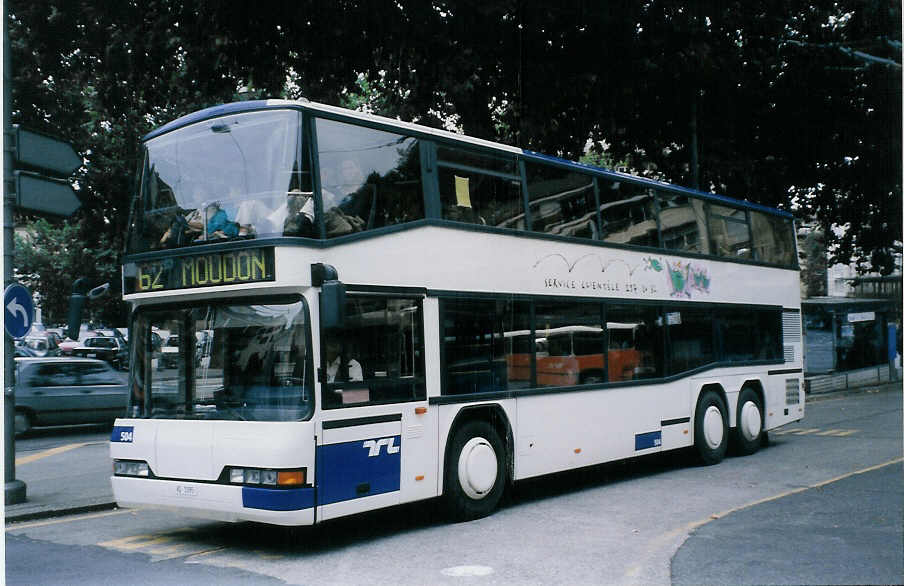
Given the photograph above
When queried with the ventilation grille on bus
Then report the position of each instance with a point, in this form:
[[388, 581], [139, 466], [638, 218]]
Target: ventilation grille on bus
[[789, 353], [791, 327], [792, 391]]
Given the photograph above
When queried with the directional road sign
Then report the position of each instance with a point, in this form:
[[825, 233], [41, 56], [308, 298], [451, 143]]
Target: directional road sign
[[18, 312], [45, 152], [43, 194]]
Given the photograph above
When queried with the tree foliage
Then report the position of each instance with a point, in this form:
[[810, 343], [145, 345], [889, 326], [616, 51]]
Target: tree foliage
[[794, 104], [48, 256]]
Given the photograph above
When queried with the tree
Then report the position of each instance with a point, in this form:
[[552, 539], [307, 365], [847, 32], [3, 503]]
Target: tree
[[49, 259], [795, 104]]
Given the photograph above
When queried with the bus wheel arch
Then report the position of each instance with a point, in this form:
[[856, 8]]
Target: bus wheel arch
[[747, 435], [478, 462], [711, 425]]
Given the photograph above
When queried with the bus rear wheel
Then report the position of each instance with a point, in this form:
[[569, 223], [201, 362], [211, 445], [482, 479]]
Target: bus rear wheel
[[475, 472], [711, 428], [748, 434]]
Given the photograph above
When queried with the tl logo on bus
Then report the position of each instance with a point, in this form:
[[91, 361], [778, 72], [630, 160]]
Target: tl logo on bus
[[374, 446]]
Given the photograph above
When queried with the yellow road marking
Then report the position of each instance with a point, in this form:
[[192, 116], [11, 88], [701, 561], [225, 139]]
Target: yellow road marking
[[806, 431], [664, 538], [53, 452]]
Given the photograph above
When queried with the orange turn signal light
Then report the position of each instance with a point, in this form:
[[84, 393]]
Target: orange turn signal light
[[290, 478]]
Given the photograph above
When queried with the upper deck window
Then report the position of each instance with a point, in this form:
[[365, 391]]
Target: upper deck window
[[219, 179], [628, 213], [729, 232], [480, 189], [561, 202], [682, 222], [368, 178]]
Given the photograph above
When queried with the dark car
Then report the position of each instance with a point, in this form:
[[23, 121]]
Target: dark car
[[109, 349], [67, 391]]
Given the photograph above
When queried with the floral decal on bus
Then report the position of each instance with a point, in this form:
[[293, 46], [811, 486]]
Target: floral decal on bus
[[684, 277]]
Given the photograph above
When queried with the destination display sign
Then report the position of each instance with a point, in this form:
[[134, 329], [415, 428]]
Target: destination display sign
[[200, 270]]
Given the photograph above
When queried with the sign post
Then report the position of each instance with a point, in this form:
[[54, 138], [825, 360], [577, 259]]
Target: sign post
[[36, 168]]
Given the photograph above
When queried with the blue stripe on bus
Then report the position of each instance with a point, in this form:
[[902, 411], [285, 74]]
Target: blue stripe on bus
[[645, 441], [358, 469], [273, 499]]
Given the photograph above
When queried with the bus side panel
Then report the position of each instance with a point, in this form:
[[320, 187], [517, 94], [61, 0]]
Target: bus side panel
[[358, 466], [418, 478], [561, 431]]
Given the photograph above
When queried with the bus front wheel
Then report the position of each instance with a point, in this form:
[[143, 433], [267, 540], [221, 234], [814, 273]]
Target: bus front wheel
[[749, 433], [711, 429], [475, 472]]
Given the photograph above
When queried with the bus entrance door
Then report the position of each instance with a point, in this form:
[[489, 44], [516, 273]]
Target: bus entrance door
[[358, 465]]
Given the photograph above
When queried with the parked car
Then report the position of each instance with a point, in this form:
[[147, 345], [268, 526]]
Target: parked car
[[169, 353], [67, 391], [112, 350], [41, 345]]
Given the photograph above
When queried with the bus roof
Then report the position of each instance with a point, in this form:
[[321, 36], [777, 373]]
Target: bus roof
[[425, 131]]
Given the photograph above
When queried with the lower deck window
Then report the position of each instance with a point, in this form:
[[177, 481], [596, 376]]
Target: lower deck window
[[493, 345], [378, 354]]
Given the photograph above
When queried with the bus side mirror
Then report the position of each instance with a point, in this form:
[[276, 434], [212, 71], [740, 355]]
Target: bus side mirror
[[332, 305]]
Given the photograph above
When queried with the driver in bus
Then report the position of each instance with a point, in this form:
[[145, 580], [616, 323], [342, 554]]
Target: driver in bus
[[334, 365]]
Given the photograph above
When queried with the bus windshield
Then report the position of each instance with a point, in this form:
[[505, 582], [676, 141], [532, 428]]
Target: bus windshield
[[222, 361], [232, 177]]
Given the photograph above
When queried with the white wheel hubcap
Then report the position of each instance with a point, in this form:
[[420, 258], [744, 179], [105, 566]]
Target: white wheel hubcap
[[713, 427], [751, 421], [477, 468]]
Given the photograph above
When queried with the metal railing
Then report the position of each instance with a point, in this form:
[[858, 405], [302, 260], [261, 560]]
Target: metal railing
[[851, 379]]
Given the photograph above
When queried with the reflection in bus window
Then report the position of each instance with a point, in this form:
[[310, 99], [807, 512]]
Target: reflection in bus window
[[250, 363], [486, 345], [628, 214], [575, 342], [561, 202], [682, 222], [773, 238], [635, 342], [480, 189], [729, 232]]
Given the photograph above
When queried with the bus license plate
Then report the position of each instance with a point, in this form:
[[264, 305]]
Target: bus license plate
[[189, 491]]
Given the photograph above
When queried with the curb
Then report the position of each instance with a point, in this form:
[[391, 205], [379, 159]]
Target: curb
[[46, 512]]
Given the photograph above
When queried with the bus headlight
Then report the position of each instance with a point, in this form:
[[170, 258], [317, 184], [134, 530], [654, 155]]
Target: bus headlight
[[267, 477], [130, 468]]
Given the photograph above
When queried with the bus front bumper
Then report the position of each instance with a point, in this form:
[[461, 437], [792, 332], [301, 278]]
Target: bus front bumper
[[217, 501]]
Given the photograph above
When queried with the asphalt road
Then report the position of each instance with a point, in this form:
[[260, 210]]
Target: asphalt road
[[821, 504]]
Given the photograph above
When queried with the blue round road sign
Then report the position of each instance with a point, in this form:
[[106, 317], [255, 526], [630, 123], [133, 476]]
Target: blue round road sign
[[18, 311]]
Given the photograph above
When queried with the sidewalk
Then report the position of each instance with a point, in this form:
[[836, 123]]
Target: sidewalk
[[55, 489], [63, 481]]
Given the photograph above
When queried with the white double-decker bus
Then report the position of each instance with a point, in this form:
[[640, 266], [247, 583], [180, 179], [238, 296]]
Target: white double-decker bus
[[363, 312]]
